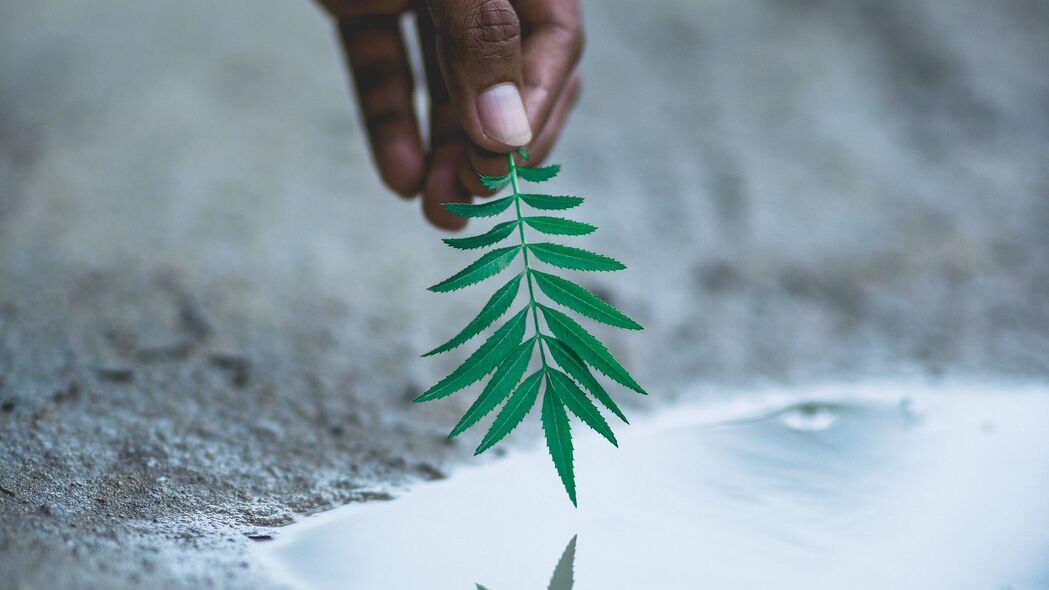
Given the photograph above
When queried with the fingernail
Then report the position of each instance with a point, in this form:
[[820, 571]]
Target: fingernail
[[503, 115]]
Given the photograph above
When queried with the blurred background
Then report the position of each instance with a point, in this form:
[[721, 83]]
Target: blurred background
[[211, 310]]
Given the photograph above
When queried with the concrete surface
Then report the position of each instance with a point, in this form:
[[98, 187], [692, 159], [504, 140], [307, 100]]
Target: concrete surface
[[211, 311]]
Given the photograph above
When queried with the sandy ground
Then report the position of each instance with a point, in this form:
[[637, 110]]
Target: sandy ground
[[210, 310]]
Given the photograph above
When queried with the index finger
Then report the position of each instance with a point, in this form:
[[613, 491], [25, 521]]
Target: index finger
[[551, 50]]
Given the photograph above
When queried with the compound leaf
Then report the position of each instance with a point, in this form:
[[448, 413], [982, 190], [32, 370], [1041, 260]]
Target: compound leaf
[[570, 385], [573, 258], [570, 362], [559, 226], [499, 386], [495, 182], [551, 202], [578, 298], [516, 408], [540, 173], [482, 361], [559, 440], [486, 209], [588, 347], [579, 403], [484, 267], [493, 310], [498, 233]]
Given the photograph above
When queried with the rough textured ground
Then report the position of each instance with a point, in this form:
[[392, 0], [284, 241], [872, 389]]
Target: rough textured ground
[[210, 310]]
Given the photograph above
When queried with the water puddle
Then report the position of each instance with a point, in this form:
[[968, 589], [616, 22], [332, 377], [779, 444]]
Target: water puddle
[[884, 486]]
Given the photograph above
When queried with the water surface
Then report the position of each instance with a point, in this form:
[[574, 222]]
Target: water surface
[[881, 486]]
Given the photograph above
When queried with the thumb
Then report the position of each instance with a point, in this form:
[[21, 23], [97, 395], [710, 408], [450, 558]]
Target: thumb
[[478, 44]]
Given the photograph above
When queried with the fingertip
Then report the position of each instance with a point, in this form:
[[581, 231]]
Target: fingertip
[[442, 186], [503, 118], [471, 181], [402, 166], [439, 215]]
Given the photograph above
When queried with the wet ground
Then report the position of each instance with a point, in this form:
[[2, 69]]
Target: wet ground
[[877, 485], [210, 310]]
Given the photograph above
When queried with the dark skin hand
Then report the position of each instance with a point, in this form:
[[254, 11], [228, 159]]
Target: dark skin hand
[[499, 74]]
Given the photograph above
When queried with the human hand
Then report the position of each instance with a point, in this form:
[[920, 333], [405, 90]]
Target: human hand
[[499, 75]]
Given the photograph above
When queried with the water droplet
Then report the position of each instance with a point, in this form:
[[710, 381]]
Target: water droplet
[[809, 417]]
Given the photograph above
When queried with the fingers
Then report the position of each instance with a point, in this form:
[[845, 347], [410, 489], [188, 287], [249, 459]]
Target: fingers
[[442, 186], [552, 49], [447, 141], [491, 164], [558, 116], [383, 81], [552, 46], [478, 44]]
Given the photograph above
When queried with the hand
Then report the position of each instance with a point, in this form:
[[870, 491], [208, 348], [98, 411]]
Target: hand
[[500, 75]]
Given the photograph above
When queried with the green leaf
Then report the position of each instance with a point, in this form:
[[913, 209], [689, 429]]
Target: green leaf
[[499, 386], [516, 408], [559, 440], [588, 347], [539, 174], [570, 362], [495, 182], [486, 209], [524, 153], [497, 234], [482, 361], [496, 307], [578, 298], [484, 267], [551, 202], [573, 258], [579, 403], [559, 226]]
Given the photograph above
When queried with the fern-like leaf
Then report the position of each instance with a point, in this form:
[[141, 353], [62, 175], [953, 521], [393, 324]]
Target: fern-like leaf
[[486, 209], [516, 408], [482, 361], [573, 258], [576, 369], [499, 386], [498, 233], [493, 310], [579, 299], [484, 267], [551, 202], [588, 347], [559, 440], [581, 406], [539, 174], [559, 226], [569, 384]]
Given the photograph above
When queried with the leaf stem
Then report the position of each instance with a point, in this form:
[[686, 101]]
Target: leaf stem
[[524, 248]]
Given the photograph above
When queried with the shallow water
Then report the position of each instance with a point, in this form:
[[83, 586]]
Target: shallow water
[[880, 486]]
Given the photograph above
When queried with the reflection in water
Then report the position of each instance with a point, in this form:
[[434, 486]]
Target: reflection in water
[[819, 490], [562, 578]]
